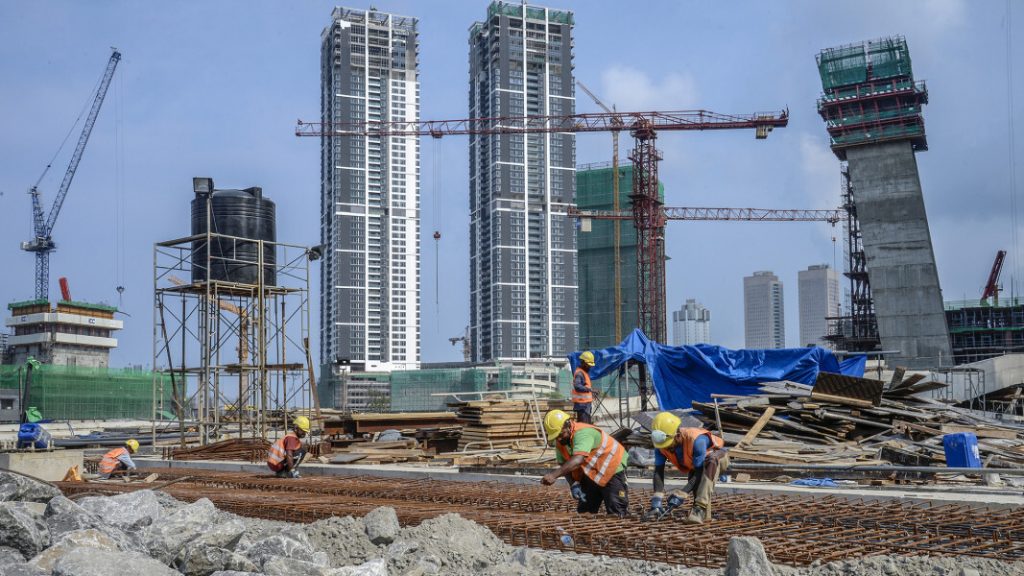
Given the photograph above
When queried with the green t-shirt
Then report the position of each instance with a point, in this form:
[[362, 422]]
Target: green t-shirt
[[585, 440]]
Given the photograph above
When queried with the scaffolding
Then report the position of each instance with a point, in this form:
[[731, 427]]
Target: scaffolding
[[979, 330], [236, 355], [870, 95]]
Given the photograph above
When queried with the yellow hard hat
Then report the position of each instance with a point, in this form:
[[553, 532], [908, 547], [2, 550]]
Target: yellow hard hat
[[132, 445], [664, 428], [587, 358], [554, 421], [302, 423]]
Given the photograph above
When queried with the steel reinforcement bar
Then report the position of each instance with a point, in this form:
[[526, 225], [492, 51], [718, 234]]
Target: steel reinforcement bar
[[794, 530]]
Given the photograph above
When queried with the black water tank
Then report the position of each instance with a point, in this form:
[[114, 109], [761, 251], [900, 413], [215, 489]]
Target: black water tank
[[241, 213]]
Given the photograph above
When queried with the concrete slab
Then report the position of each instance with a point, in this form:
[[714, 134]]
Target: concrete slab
[[49, 466]]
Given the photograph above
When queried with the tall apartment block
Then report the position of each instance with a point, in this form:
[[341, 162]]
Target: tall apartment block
[[523, 287], [764, 321], [595, 244], [370, 201], [872, 110], [691, 324], [77, 334], [818, 292]]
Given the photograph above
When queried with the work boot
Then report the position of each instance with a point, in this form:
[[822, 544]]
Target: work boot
[[697, 516]]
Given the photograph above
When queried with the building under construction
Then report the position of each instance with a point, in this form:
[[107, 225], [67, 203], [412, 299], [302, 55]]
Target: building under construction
[[871, 105]]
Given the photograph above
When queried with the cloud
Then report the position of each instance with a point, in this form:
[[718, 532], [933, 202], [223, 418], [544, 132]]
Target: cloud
[[820, 170], [631, 89]]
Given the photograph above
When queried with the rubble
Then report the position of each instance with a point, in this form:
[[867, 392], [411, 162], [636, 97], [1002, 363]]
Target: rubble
[[381, 525], [23, 529], [16, 487], [747, 558]]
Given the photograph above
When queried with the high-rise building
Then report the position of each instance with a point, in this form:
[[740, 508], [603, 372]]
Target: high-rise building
[[818, 292], [691, 324], [595, 243], [370, 202], [523, 287], [763, 313]]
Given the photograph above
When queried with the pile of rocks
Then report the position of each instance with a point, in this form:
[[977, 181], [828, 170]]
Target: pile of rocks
[[145, 532]]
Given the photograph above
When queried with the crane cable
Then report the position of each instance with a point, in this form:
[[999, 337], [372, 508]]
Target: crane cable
[[81, 113], [1012, 145]]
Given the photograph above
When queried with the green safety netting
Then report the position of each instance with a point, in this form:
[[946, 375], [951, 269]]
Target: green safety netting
[[847, 65], [78, 393]]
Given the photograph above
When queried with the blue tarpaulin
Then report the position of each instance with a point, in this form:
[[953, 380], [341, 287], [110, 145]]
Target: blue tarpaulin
[[682, 374]]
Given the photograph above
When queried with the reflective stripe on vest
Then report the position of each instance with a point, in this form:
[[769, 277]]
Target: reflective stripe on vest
[[581, 397], [690, 436], [277, 453], [600, 464], [109, 462]]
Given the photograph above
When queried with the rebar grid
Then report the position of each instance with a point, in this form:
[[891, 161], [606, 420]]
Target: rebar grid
[[794, 530]]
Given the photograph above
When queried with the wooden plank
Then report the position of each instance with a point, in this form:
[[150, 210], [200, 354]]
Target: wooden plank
[[757, 427], [1003, 433]]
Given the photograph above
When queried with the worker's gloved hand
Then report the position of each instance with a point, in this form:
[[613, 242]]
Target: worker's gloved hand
[[656, 503], [675, 501], [294, 474], [577, 492]]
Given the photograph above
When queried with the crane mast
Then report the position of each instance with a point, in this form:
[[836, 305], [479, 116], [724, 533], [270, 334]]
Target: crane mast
[[42, 243]]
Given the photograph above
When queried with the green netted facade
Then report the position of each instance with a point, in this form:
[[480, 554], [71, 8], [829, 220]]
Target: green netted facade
[[869, 94], [77, 393], [596, 258], [413, 390]]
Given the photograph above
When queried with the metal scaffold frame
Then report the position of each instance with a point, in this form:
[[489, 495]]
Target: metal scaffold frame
[[236, 355]]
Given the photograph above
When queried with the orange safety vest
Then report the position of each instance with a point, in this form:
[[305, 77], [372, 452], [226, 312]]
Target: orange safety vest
[[277, 453], [600, 464], [581, 397], [690, 435], [110, 460]]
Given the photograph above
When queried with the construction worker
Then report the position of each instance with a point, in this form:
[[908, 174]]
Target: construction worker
[[582, 393], [286, 454], [591, 461], [119, 459], [693, 451]]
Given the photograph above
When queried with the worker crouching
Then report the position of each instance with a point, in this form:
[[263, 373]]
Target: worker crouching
[[592, 462], [119, 459], [695, 452], [286, 454]]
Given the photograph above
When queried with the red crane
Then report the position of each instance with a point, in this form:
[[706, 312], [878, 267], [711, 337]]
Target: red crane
[[992, 286], [648, 214]]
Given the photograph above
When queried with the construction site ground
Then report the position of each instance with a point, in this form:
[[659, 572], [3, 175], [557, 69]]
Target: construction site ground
[[797, 528]]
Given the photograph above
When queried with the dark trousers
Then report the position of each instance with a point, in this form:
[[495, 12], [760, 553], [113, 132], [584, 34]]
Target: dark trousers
[[285, 470], [583, 412], [614, 495]]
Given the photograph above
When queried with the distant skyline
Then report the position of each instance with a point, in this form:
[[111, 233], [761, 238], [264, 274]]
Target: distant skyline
[[214, 89]]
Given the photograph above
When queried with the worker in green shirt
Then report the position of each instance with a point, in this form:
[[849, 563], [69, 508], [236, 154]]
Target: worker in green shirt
[[592, 462]]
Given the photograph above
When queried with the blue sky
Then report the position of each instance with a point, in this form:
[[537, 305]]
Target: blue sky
[[214, 89]]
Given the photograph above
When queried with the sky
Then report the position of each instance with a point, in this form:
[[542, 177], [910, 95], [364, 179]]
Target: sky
[[215, 89]]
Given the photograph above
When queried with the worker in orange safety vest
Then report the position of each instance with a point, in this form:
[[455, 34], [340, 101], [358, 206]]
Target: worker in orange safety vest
[[591, 461], [695, 452], [582, 392], [119, 459], [286, 454]]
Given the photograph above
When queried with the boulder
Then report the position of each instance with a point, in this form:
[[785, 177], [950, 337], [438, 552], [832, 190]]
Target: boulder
[[376, 567], [293, 544], [9, 555], [204, 560], [63, 516], [23, 529], [292, 567], [15, 487], [23, 569], [381, 525], [130, 511], [223, 534], [168, 534], [95, 562], [746, 557], [90, 538]]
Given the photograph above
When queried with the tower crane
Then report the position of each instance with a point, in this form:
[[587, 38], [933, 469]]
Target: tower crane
[[647, 211], [617, 228], [42, 243], [992, 285]]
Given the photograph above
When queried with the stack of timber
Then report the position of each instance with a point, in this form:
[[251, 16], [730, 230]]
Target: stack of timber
[[490, 424], [843, 420], [364, 452], [245, 450]]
